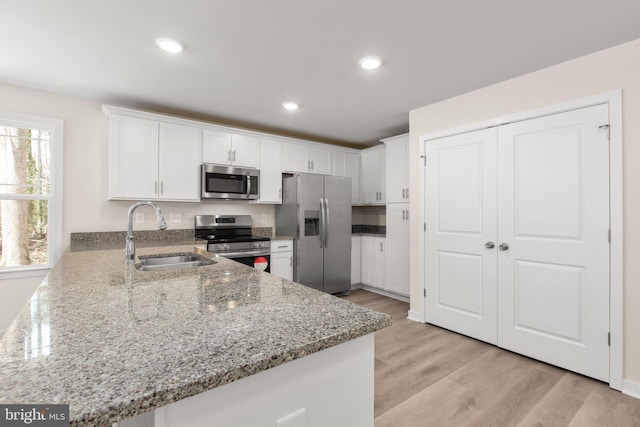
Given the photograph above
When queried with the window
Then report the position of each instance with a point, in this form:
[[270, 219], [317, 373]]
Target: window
[[30, 192]]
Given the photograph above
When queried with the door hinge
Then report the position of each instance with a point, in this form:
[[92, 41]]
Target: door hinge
[[425, 292], [609, 339], [608, 128]]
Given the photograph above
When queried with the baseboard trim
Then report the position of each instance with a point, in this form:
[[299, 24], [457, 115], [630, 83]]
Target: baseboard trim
[[631, 388], [380, 292], [415, 316]]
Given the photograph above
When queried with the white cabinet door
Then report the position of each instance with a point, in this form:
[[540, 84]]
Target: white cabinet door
[[382, 175], [216, 147], [270, 171], [397, 169], [461, 208], [282, 258], [397, 253], [180, 156], [229, 149], [553, 213], [244, 151], [356, 251], [379, 256], [294, 158], [348, 164], [320, 160], [133, 158], [366, 268], [370, 176]]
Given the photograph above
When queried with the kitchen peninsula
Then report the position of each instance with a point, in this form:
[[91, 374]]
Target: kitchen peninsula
[[222, 344]]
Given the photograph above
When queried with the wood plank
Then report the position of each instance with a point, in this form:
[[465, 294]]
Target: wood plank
[[429, 376]]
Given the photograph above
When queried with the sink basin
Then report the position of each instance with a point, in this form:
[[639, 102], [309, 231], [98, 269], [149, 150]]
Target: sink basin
[[172, 261]]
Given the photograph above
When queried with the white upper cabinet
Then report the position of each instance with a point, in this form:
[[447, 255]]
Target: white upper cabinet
[[270, 171], [153, 160], [373, 173], [229, 149], [180, 156], [306, 159], [397, 153], [348, 164]]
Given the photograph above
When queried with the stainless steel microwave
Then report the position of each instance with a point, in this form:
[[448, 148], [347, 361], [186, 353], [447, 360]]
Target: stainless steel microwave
[[229, 183]]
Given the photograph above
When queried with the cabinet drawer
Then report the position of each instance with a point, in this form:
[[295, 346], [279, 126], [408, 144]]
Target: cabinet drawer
[[281, 246]]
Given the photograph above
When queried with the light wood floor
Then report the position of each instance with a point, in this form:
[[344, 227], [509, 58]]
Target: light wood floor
[[429, 376]]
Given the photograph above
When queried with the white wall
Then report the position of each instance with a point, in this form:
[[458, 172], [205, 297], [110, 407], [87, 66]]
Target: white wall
[[605, 71], [85, 204]]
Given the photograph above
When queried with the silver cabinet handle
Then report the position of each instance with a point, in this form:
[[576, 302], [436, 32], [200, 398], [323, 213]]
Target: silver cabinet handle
[[311, 164], [308, 165], [279, 193], [403, 217], [380, 246], [407, 214], [291, 261], [489, 245], [155, 191], [161, 187], [404, 193], [503, 246], [407, 193], [229, 156]]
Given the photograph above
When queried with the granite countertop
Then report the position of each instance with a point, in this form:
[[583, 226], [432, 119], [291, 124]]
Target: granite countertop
[[114, 342]]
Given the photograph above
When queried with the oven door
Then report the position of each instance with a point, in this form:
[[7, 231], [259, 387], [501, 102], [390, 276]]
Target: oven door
[[229, 183], [260, 260]]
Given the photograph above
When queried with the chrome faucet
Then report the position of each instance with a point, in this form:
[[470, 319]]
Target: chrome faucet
[[130, 249]]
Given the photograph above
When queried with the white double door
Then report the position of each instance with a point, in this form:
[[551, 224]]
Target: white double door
[[517, 247]]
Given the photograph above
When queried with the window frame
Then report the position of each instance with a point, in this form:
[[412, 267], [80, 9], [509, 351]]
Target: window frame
[[54, 235]]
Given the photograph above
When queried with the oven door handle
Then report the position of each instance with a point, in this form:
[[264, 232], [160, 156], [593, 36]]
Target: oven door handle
[[242, 254]]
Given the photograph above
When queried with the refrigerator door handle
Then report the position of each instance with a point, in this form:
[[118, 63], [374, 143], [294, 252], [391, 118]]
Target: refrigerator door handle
[[322, 219], [326, 222]]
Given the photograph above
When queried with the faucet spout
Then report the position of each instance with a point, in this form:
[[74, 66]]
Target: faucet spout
[[130, 249]]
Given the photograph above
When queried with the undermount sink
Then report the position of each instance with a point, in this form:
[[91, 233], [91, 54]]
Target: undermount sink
[[172, 261]]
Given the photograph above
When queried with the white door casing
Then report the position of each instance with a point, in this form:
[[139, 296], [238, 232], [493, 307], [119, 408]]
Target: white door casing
[[460, 210], [553, 212]]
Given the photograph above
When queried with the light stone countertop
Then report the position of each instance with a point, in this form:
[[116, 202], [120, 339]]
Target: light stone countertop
[[115, 342]]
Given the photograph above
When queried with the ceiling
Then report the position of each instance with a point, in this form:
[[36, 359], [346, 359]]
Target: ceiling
[[244, 58]]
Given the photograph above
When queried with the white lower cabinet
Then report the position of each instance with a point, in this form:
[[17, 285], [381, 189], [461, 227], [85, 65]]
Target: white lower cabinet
[[282, 258], [373, 261], [356, 250], [397, 256]]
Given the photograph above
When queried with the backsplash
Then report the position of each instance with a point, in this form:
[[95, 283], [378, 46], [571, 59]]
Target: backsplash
[[369, 229]]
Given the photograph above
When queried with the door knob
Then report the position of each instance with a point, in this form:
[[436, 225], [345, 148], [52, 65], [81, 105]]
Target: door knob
[[503, 246], [489, 245]]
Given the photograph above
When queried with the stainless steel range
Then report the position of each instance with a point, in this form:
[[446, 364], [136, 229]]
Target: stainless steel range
[[230, 236]]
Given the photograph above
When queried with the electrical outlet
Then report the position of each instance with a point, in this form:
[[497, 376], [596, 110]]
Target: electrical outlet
[[175, 217], [139, 217], [265, 217], [294, 419]]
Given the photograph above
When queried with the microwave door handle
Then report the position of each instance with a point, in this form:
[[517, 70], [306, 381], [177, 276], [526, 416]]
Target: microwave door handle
[[248, 185]]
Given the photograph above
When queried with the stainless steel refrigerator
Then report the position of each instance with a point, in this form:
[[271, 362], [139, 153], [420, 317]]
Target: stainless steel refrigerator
[[316, 209]]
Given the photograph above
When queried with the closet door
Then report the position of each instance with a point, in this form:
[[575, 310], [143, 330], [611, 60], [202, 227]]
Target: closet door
[[460, 207], [553, 213]]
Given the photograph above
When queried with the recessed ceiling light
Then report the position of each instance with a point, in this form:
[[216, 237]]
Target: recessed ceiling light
[[370, 62], [170, 45], [291, 106]]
